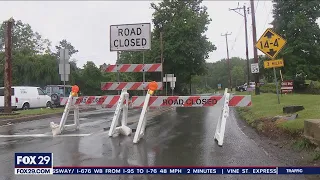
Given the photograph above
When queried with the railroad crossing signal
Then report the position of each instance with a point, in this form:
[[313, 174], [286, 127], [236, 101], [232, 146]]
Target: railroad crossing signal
[[270, 43], [273, 63]]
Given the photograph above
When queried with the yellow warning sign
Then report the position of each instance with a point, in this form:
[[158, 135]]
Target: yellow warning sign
[[273, 63], [270, 43]]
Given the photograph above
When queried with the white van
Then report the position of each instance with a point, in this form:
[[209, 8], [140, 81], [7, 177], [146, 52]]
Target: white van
[[25, 97]]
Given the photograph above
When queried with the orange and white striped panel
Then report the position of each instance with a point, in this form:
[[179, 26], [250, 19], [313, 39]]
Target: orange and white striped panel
[[134, 68], [190, 101], [128, 85], [104, 101]]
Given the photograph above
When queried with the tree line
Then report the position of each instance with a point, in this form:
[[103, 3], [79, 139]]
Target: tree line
[[185, 50]]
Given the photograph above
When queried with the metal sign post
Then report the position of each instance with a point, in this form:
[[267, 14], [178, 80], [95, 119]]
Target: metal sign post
[[275, 80], [64, 68], [270, 43], [170, 78]]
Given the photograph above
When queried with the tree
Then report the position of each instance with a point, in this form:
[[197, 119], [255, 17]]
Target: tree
[[90, 79], [186, 48], [237, 75], [296, 22], [67, 45], [25, 39]]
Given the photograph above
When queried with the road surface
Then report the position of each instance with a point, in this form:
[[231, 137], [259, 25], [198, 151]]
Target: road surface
[[179, 137]]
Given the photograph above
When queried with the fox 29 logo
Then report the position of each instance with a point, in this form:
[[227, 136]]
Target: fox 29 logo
[[33, 163]]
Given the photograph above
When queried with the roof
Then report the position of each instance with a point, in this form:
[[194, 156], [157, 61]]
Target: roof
[[22, 86], [58, 85]]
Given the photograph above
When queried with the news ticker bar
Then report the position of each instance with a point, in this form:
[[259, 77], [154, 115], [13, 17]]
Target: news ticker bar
[[165, 170]]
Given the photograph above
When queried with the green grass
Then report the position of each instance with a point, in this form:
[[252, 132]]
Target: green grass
[[32, 112], [266, 105]]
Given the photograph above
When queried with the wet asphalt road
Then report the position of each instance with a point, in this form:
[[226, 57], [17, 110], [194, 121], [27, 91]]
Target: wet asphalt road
[[180, 137]]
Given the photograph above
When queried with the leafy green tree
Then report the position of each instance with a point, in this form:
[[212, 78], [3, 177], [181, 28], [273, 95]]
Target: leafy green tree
[[67, 45], [91, 78], [25, 39], [237, 75], [186, 48], [296, 22]]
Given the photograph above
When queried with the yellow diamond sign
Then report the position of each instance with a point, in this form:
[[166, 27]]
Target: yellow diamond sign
[[273, 63], [270, 43]]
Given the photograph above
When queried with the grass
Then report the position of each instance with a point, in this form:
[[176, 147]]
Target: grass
[[32, 112], [266, 105]]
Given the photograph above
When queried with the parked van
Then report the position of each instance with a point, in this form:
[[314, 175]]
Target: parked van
[[25, 97]]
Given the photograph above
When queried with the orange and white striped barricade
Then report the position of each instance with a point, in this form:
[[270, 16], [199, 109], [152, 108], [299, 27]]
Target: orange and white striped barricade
[[57, 129], [73, 102], [123, 68], [224, 101]]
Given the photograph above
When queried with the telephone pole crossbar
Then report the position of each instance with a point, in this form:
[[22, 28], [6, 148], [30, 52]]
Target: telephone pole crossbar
[[228, 59]]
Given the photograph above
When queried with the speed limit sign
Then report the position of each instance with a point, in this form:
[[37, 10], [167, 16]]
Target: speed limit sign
[[254, 68]]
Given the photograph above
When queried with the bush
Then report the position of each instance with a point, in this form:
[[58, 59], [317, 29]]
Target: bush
[[313, 88], [269, 88]]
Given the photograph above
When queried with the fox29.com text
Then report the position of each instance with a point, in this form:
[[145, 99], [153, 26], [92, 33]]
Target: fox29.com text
[[42, 164]]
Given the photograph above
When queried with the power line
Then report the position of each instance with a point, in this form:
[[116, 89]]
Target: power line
[[235, 39]]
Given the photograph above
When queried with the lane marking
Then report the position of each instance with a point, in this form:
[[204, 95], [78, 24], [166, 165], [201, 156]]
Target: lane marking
[[41, 135]]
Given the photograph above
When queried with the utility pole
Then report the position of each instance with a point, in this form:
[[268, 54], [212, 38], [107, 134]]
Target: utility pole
[[255, 51], [161, 57], [228, 59], [246, 37], [8, 67]]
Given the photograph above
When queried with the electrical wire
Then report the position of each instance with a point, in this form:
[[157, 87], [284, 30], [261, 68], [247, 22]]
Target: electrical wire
[[235, 40]]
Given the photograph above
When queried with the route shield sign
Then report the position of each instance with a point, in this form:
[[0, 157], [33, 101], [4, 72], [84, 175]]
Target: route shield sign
[[273, 63], [270, 43]]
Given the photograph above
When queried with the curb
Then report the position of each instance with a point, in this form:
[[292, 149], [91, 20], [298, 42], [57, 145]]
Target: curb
[[36, 117]]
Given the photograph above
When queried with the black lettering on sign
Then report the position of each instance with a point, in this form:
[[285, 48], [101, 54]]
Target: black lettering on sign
[[189, 102], [96, 99], [172, 102], [130, 42], [129, 32]]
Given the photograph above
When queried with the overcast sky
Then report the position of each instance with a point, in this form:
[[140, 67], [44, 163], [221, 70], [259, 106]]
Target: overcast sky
[[86, 24]]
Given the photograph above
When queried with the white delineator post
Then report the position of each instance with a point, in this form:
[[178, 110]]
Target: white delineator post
[[123, 129], [221, 126], [58, 129], [142, 120]]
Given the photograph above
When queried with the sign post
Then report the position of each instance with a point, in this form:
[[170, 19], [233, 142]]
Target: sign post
[[270, 43], [64, 68], [131, 37], [170, 78]]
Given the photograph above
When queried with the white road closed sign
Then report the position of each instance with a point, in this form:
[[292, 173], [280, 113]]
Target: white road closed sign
[[130, 37]]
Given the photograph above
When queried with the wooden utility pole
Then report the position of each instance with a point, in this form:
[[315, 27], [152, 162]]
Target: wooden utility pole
[[228, 59], [8, 67], [161, 57], [255, 51], [246, 38]]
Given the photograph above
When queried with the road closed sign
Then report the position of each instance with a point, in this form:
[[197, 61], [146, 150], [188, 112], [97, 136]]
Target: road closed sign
[[130, 37]]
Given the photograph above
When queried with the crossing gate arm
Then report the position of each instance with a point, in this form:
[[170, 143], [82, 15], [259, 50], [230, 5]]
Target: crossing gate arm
[[191, 101]]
